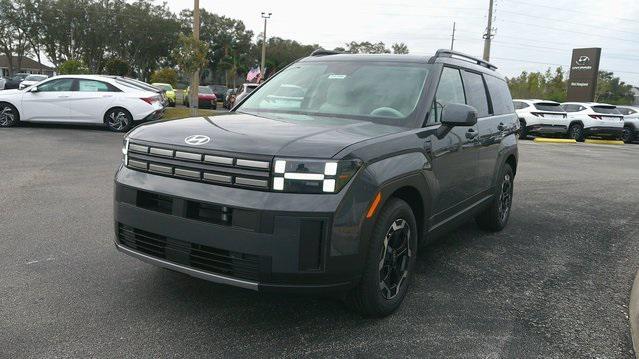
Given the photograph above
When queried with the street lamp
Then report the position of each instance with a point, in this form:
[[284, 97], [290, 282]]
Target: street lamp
[[265, 16]]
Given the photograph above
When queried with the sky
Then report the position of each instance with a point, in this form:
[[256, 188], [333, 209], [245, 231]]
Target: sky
[[530, 35]]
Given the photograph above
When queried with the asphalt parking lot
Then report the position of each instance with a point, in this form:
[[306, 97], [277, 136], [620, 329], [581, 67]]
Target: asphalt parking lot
[[554, 283]]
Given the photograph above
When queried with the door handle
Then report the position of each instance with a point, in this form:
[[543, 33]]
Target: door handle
[[470, 134], [501, 126], [63, 96]]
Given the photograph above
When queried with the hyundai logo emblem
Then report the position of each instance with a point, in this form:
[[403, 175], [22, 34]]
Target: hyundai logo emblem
[[197, 140], [583, 60]]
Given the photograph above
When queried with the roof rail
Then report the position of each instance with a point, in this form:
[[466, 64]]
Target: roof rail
[[322, 52], [451, 53]]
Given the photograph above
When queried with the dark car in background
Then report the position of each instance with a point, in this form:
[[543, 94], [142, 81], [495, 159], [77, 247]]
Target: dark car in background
[[219, 91], [206, 98], [15, 81]]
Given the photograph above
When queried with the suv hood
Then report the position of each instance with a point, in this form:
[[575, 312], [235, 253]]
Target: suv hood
[[306, 136]]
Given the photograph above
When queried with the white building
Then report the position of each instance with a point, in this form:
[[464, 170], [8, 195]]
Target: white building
[[28, 65]]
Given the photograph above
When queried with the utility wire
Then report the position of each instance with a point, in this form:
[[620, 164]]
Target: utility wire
[[572, 10]]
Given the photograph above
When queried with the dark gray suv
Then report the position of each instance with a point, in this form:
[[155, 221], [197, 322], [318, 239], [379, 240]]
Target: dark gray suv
[[326, 178]]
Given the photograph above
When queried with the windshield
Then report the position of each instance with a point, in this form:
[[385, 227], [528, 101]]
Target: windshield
[[218, 88], [204, 89], [35, 78], [367, 90], [164, 87]]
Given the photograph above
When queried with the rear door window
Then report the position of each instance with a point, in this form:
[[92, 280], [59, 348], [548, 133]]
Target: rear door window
[[450, 90], [476, 92], [499, 96], [93, 86]]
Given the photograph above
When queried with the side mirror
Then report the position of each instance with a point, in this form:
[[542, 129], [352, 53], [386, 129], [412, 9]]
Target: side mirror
[[33, 89], [455, 114]]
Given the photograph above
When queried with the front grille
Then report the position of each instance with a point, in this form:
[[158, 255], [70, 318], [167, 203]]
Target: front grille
[[202, 166], [208, 259]]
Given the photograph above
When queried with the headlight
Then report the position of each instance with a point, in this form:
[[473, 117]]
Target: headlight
[[312, 176]]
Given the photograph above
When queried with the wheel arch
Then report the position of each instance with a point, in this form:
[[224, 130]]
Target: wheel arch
[[413, 198], [512, 161], [579, 122]]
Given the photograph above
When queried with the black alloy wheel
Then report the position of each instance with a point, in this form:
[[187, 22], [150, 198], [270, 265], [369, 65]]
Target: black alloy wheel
[[8, 115], [395, 258]]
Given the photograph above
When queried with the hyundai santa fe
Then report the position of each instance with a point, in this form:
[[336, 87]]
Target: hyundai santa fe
[[326, 178]]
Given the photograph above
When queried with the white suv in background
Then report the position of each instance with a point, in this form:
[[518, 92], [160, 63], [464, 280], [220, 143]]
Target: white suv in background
[[539, 117], [593, 119], [89, 99], [631, 122]]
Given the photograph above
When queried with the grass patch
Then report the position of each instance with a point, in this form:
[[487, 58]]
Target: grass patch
[[183, 112]]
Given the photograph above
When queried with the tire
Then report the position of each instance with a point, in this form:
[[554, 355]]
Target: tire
[[628, 135], [387, 274], [495, 217], [576, 132], [9, 115], [214, 106], [523, 132], [118, 120]]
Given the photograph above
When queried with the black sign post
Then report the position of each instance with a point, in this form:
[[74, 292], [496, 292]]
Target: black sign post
[[584, 68]]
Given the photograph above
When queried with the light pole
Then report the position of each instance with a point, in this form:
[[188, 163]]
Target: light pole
[[195, 81], [265, 16], [488, 36]]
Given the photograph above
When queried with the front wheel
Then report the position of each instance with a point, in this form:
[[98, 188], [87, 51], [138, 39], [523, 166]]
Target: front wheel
[[389, 266], [118, 120], [495, 217], [628, 135], [576, 132], [8, 115]]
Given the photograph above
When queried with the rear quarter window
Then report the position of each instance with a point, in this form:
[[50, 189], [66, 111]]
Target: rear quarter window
[[606, 110], [552, 107], [499, 95]]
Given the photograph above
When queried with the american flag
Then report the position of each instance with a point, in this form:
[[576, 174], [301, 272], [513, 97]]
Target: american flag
[[253, 74]]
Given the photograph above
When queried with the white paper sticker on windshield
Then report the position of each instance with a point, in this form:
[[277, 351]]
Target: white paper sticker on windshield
[[337, 77]]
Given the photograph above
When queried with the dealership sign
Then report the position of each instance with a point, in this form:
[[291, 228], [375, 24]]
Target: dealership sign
[[584, 67]]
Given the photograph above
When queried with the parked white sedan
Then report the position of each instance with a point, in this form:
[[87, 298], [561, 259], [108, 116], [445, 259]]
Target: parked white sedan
[[91, 99]]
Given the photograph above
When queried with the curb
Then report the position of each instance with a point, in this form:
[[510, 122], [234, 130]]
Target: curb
[[604, 142], [553, 140], [633, 310]]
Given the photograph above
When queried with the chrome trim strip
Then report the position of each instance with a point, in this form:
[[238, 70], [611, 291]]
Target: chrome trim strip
[[188, 156], [216, 278], [218, 159], [160, 169], [137, 164], [187, 173], [138, 148], [217, 178], [161, 152], [251, 182], [253, 164]]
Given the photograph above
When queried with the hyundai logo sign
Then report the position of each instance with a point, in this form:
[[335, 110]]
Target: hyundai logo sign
[[197, 140], [583, 60]]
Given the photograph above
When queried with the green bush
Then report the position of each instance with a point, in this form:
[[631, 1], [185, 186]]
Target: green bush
[[117, 67], [73, 67], [165, 75]]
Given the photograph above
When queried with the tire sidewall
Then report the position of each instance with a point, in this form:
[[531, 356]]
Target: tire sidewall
[[128, 115], [15, 111], [374, 302], [580, 136]]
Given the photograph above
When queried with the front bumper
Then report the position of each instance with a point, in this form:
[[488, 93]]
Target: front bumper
[[611, 132], [251, 239]]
